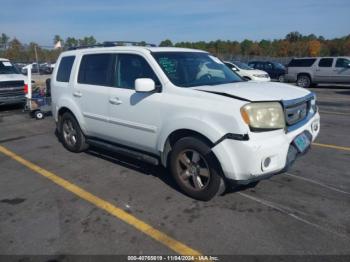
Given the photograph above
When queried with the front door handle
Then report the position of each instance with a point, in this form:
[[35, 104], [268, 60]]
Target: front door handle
[[77, 94], [115, 101]]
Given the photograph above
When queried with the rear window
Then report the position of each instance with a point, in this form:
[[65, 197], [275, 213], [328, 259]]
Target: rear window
[[65, 69], [96, 69], [325, 62], [301, 62]]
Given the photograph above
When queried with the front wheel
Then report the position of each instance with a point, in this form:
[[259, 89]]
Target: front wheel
[[195, 169]]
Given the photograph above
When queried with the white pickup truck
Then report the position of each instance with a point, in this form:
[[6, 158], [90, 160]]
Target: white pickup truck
[[11, 84], [183, 109]]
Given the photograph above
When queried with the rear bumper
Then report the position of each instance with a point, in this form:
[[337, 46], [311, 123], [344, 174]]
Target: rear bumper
[[244, 161]]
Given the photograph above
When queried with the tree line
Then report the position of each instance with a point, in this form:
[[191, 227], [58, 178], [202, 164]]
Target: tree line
[[293, 44]]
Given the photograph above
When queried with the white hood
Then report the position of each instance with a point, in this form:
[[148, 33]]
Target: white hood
[[258, 91]]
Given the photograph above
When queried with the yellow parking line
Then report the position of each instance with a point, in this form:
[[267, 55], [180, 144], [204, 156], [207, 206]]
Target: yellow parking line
[[332, 146], [119, 213]]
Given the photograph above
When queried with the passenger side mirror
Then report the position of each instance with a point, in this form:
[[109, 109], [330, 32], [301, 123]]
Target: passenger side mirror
[[234, 69], [144, 85]]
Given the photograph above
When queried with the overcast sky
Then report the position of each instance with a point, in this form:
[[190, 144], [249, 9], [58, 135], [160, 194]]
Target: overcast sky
[[178, 20]]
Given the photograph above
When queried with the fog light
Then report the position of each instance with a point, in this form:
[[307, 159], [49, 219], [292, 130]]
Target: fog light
[[267, 162], [314, 126]]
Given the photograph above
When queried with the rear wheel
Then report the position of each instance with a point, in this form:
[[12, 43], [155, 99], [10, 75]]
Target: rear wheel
[[195, 169], [304, 81], [71, 135]]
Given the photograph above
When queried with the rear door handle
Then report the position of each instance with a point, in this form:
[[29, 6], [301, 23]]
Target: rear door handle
[[77, 94], [115, 101]]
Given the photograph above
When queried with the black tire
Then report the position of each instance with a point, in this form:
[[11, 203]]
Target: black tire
[[39, 115], [304, 81], [207, 168], [71, 135], [281, 79]]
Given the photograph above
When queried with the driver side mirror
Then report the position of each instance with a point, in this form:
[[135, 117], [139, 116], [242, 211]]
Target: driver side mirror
[[234, 69], [144, 85]]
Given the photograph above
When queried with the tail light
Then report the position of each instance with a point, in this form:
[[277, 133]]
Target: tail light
[[25, 88]]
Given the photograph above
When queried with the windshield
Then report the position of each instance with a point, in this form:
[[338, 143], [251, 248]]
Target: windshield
[[242, 65], [189, 69], [7, 68], [279, 66]]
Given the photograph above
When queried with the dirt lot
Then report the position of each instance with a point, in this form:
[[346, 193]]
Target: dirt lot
[[128, 207]]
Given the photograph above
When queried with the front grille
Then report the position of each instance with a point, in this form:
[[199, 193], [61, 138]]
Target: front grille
[[5, 84], [297, 113], [297, 110]]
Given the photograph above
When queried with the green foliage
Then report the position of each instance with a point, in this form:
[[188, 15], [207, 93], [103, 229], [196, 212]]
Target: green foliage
[[166, 42], [294, 44]]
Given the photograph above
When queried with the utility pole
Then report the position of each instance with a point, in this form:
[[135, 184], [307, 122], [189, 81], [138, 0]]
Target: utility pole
[[36, 57]]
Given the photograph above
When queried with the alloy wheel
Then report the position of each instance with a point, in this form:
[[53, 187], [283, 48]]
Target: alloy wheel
[[193, 169]]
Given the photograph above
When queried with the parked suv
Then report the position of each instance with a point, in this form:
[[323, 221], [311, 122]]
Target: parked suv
[[11, 84], [310, 71], [275, 70], [183, 109]]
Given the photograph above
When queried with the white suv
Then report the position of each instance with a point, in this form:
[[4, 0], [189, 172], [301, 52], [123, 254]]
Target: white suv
[[183, 109]]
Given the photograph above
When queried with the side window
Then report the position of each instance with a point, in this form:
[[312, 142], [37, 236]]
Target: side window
[[96, 69], [302, 62], [65, 68], [229, 65], [325, 62], [129, 68], [342, 62]]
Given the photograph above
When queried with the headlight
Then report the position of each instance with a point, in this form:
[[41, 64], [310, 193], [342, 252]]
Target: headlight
[[265, 115]]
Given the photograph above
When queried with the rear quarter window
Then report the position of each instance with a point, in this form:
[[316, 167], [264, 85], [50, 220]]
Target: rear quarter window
[[65, 68], [301, 62]]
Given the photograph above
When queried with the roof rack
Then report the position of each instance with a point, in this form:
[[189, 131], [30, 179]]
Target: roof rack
[[114, 43]]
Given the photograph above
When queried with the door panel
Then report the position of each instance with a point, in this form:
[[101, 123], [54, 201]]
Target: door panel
[[341, 70], [92, 91], [324, 71], [134, 117]]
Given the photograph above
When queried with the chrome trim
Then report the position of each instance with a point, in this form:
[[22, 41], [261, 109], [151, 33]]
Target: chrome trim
[[133, 125], [295, 103], [120, 122], [96, 117]]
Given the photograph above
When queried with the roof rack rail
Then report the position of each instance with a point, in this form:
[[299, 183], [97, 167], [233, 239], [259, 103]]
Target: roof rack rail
[[113, 43]]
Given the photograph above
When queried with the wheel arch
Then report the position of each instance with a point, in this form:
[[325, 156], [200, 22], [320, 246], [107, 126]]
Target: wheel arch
[[66, 107], [178, 134]]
